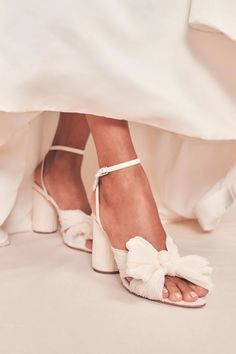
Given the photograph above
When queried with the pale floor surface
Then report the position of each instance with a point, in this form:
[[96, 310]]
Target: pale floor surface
[[51, 302]]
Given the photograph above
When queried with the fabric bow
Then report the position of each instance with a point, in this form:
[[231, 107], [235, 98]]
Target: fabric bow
[[148, 267], [76, 227]]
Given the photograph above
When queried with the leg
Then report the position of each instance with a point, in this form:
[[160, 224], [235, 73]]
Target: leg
[[127, 192], [62, 169]]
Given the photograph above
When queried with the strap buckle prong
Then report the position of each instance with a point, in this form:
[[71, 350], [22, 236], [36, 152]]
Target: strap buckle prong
[[103, 171]]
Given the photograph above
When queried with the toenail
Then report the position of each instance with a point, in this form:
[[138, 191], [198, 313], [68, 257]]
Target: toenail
[[192, 294], [165, 291], [178, 296]]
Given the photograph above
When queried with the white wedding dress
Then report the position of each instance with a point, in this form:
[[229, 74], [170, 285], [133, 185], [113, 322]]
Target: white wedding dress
[[133, 59], [168, 64]]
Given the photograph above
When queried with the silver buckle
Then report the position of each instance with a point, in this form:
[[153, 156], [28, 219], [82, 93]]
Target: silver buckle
[[103, 171]]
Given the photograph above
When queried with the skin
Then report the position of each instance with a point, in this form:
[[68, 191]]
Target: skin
[[122, 192]]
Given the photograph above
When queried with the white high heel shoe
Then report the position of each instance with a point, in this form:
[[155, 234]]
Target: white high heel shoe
[[142, 262], [215, 203], [76, 226]]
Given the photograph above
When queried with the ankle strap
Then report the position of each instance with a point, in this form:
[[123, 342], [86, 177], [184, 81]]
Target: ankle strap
[[66, 148], [105, 170]]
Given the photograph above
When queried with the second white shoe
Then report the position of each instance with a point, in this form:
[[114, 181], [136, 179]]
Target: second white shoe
[[76, 226]]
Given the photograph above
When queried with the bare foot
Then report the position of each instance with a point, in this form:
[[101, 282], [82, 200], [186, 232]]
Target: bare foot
[[62, 178], [127, 208]]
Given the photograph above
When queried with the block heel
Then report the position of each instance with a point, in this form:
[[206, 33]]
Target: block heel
[[102, 257], [44, 218]]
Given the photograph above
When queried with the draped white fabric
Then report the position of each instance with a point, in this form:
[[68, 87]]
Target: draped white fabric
[[20, 150], [214, 15], [139, 60]]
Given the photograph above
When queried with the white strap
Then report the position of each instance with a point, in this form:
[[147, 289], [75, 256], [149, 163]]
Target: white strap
[[103, 172], [66, 148], [42, 177]]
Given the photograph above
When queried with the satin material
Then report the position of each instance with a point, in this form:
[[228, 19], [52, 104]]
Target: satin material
[[136, 60], [214, 15]]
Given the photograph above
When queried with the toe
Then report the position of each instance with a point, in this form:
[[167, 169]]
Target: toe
[[201, 292], [165, 293], [89, 244], [187, 292], [174, 293]]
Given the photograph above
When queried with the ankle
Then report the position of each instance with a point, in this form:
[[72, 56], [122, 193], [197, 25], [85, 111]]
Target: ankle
[[65, 162], [130, 182], [109, 160]]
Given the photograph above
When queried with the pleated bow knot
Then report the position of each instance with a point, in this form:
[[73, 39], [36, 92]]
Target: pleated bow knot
[[148, 267], [75, 223], [167, 261]]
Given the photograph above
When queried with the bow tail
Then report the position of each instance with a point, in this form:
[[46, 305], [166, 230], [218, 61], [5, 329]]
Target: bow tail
[[151, 289], [196, 270]]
